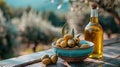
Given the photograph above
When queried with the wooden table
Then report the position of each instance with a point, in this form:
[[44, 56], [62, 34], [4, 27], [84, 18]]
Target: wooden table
[[111, 58]]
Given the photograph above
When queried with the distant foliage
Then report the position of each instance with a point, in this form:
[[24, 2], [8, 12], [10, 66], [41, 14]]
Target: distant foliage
[[8, 35], [30, 26], [56, 20], [34, 20], [109, 16]]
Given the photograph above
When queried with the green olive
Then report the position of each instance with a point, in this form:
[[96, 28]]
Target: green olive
[[77, 40], [67, 37], [76, 47], [59, 40], [71, 43], [63, 44], [84, 46], [54, 59], [46, 61], [45, 56]]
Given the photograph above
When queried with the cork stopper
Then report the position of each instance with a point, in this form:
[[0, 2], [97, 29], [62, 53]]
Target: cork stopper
[[94, 6]]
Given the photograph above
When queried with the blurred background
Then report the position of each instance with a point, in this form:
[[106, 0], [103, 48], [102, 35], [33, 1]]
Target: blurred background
[[28, 26]]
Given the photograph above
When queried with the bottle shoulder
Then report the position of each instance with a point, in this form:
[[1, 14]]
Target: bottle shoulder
[[93, 26]]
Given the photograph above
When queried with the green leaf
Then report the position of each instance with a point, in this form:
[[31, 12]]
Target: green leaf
[[78, 35], [67, 31], [63, 29], [72, 32]]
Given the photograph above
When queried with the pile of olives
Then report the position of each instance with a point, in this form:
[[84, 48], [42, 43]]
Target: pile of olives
[[49, 60], [68, 41]]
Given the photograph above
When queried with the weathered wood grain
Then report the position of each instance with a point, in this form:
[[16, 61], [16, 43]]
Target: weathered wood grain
[[111, 58]]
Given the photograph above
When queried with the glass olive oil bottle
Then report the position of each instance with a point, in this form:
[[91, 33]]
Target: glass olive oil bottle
[[94, 33]]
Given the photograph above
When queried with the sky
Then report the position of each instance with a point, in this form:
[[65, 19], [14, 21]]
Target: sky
[[40, 5]]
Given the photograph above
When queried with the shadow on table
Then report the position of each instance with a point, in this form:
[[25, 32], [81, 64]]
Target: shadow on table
[[107, 62]]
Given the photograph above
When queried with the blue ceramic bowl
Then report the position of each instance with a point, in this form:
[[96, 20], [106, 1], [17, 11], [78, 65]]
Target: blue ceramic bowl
[[74, 54]]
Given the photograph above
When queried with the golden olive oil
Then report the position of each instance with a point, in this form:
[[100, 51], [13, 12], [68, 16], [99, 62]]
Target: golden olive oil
[[94, 33]]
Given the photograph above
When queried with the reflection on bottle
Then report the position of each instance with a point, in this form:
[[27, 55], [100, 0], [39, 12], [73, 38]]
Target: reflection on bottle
[[100, 64]]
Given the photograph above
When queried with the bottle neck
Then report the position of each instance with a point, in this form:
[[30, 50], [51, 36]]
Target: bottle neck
[[94, 15]]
